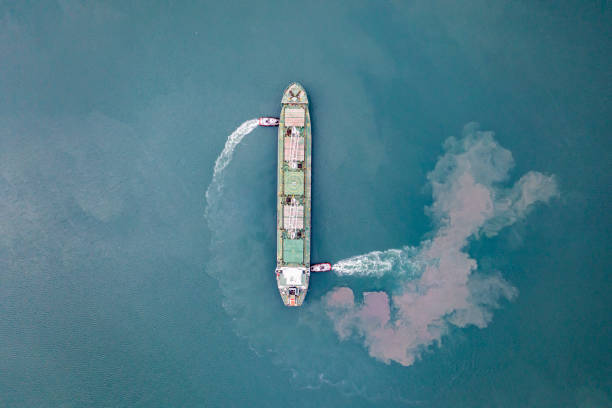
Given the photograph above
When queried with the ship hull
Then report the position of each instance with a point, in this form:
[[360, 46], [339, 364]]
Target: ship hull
[[294, 197]]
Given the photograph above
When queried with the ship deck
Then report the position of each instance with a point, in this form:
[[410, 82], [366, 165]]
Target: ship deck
[[293, 196], [294, 183]]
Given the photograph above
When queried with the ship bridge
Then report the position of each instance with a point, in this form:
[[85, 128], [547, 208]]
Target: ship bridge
[[288, 277]]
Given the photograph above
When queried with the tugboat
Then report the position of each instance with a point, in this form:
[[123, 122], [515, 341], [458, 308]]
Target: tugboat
[[321, 267], [293, 197], [268, 121]]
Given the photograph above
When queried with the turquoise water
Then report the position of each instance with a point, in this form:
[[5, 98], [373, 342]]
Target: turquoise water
[[460, 187]]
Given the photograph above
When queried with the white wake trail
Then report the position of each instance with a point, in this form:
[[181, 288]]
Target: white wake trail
[[378, 263], [225, 158]]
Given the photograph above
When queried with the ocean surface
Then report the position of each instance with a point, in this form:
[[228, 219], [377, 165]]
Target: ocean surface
[[461, 188]]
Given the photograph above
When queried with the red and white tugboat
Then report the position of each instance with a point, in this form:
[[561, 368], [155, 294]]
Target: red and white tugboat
[[321, 267], [268, 121]]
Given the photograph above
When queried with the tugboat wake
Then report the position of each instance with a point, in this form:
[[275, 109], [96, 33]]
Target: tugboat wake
[[233, 140]]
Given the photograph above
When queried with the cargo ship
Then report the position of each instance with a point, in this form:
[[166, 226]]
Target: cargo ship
[[293, 197]]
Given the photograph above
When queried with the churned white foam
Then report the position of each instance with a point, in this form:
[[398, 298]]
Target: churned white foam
[[377, 263], [225, 158], [230, 145]]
